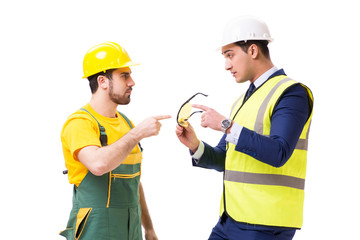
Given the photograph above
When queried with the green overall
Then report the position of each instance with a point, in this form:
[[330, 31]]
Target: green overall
[[107, 207]]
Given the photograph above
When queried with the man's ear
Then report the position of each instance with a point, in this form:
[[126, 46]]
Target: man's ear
[[253, 51], [102, 81]]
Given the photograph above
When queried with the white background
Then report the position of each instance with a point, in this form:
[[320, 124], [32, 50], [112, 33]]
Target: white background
[[42, 47]]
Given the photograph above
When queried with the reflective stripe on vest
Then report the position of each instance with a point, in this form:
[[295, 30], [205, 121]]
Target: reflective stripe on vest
[[265, 179], [255, 192]]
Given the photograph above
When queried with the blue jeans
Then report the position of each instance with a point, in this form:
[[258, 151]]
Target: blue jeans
[[227, 229]]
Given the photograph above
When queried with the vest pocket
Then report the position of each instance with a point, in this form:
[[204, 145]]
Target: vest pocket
[[81, 219]]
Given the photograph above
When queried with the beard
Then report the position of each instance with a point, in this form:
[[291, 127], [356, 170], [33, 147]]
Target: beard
[[118, 98]]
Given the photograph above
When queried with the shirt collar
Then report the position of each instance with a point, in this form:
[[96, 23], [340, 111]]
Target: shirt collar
[[265, 76]]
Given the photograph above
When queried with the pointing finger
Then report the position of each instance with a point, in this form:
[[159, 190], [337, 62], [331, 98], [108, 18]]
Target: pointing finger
[[202, 107], [162, 117]]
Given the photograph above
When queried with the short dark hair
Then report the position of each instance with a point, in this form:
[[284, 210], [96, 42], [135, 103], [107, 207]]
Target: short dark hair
[[93, 83], [262, 45]]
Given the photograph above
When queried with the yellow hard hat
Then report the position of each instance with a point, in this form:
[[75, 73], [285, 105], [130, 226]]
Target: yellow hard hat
[[105, 56]]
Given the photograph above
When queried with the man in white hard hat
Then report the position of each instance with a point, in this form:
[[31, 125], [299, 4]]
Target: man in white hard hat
[[264, 147]]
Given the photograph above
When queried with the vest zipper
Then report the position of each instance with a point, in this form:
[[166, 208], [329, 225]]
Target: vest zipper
[[125, 176]]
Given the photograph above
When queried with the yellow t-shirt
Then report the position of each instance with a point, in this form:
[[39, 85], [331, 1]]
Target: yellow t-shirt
[[81, 130]]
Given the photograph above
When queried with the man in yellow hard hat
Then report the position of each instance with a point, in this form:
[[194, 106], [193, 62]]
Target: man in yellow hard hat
[[263, 151], [103, 154]]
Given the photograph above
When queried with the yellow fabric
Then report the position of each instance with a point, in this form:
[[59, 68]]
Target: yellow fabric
[[81, 130], [264, 204], [81, 217]]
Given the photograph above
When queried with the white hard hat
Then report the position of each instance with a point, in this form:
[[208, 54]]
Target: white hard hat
[[245, 28]]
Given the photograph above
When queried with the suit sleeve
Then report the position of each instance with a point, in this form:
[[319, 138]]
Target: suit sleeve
[[213, 157]]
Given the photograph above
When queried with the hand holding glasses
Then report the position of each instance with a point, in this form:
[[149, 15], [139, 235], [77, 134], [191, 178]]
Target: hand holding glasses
[[185, 111]]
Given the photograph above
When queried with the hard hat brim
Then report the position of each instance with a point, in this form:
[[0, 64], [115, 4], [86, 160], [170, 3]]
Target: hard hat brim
[[128, 64], [257, 39]]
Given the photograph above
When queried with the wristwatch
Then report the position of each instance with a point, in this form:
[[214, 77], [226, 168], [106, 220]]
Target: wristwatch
[[225, 125]]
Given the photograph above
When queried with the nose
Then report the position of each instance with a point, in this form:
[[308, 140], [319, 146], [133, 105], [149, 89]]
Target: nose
[[130, 82], [228, 64]]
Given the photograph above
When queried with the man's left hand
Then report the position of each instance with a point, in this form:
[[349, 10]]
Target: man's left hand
[[150, 235]]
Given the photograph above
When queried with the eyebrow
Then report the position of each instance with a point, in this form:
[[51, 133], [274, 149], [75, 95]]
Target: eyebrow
[[227, 51], [125, 73]]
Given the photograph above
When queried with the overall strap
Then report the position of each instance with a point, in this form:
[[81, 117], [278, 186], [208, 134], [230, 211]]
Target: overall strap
[[103, 136], [131, 126], [126, 119]]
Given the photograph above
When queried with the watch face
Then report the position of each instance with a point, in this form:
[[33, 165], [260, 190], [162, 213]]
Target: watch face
[[225, 123]]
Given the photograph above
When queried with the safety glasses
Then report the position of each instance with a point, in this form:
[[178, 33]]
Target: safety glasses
[[185, 112]]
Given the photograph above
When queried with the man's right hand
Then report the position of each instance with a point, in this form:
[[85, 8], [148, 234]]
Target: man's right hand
[[149, 127], [187, 136]]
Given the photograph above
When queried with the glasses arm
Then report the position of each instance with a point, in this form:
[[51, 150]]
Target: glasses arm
[[195, 95], [195, 112]]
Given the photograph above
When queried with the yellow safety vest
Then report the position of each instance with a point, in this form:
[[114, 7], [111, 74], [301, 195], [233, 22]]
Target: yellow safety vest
[[255, 192]]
